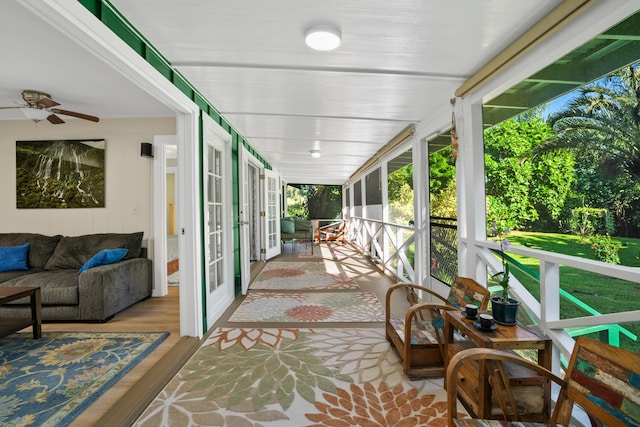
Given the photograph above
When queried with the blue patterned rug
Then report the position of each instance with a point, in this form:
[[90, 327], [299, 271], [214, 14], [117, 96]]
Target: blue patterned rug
[[51, 380]]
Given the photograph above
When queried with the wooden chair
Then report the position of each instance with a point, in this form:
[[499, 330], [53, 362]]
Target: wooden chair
[[603, 380], [423, 353], [333, 232]]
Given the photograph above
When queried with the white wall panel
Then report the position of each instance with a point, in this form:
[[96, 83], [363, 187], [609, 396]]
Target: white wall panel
[[128, 192]]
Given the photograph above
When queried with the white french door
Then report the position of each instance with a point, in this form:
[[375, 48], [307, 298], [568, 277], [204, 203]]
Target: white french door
[[245, 217], [217, 221], [271, 206]]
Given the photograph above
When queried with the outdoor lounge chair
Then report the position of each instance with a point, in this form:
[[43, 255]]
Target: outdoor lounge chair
[[422, 352], [601, 379]]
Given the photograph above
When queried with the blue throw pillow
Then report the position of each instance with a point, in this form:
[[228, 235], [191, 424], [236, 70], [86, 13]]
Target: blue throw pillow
[[104, 257], [14, 258], [287, 225]]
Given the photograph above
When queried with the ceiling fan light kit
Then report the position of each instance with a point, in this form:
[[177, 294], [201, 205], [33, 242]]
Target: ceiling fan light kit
[[35, 114], [39, 106], [323, 38]]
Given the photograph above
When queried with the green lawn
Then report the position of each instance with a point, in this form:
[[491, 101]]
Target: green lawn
[[604, 294]]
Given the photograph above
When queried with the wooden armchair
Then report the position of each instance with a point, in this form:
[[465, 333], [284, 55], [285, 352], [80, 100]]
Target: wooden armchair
[[333, 232], [422, 352], [603, 380]]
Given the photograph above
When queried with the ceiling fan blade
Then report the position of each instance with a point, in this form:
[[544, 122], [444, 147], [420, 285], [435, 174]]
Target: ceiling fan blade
[[55, 119], [47, 103], [74, 114], [9, 108]]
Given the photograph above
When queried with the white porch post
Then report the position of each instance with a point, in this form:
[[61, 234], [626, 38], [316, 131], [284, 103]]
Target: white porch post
[[384, 192], [471, 190], [421, 210]]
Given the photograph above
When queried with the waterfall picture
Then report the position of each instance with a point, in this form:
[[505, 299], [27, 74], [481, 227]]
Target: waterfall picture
[[60, 174]]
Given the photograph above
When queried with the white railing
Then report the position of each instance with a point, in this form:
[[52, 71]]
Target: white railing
[[390, 245], [385, 243], [546, 313]]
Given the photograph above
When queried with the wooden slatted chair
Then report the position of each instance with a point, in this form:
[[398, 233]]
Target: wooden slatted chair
[[333, 232], [601, 379], [423, 352]]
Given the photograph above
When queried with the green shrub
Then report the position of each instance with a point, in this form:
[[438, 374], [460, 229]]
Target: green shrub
[[588, 221], [605, 249]]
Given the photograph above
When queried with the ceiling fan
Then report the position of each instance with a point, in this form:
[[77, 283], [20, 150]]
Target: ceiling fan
[[42, 102]]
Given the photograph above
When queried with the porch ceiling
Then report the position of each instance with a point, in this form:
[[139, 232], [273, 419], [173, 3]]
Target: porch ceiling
[[399, 64]]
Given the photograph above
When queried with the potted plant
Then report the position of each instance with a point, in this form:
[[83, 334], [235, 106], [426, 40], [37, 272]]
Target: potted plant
[[504, 309]]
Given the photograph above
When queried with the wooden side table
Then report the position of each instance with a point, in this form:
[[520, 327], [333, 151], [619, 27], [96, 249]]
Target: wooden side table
[[9, 326], [475, 389]]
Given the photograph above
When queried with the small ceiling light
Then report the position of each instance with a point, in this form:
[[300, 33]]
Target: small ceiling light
[[322, 37], [315, 153]]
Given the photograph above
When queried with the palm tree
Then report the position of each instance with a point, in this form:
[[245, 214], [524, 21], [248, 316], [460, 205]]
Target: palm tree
[[601, 125]]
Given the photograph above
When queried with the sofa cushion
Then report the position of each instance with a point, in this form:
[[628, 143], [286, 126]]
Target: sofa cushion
[[41, 247], [8, 275], [104, 257], [58, 287], [287, 225], [74, 252], [302, 224], [14, 258]]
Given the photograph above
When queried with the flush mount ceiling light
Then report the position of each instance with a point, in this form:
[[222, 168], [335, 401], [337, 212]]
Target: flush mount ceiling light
[[315, 153], [322, 37]]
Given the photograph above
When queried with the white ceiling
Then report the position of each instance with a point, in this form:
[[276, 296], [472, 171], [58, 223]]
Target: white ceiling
[[399, 63], [36, 55]]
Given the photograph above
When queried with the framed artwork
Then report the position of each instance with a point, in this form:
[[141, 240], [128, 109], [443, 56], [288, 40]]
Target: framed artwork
[[60, 174]]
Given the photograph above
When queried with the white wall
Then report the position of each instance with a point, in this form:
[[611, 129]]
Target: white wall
[[129, 177]]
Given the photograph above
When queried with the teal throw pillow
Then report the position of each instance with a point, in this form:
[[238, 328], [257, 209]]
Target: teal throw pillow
[[104, 257], [14, 258], [287, 225]]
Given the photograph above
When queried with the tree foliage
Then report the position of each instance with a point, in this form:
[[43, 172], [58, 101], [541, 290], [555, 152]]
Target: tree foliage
[[522, 189], [400, 199], [325, 201], [398, 181], [442, 170]]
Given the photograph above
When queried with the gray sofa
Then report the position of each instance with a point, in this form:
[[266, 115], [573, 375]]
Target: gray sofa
[[96, 294], [296, 228]]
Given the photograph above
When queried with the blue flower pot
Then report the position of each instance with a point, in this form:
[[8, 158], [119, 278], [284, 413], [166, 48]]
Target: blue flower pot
[[503, 312]]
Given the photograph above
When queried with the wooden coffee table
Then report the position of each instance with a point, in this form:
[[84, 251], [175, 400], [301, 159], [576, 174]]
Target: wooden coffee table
[[9, 326], [476, 392]]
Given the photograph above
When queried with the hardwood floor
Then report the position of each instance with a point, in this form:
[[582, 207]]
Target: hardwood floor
[[151, 315]]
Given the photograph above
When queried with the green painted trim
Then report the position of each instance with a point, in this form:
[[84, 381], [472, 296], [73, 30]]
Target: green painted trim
[[201, 102], [215, 115], [113, 20], [183, 84], [158, 62], [235, 194], [93, 6]]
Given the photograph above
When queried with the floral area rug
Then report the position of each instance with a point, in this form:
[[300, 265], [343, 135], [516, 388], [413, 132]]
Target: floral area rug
[[316, 252], [303, 275], [50, 380], [328, 251], [309, 307], [296, 377]]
